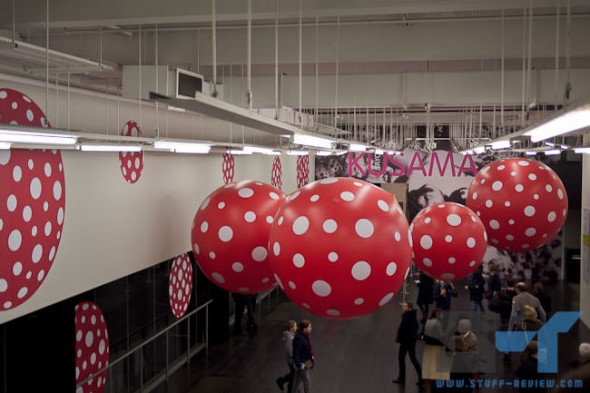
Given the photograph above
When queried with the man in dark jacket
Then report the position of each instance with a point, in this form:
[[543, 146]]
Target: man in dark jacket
[[407, 334], [425, 292], [303, 357]]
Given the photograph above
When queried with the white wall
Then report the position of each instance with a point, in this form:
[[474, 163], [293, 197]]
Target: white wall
[[584, 286], [113, 228]]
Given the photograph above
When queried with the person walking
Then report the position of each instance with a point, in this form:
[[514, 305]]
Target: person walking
[[244, 303], [303, 357], [434, 367], [425, 294], [476, 287], [288, 335], [524, 298], [407, 335]]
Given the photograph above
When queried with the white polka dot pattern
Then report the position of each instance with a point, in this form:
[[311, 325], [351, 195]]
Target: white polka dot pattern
[[92, 348], [131, 163], [232, 250], [342, 249], [527, 203], [228, 168], [180, 285], [276, 176], [32, 206], [446, 239]]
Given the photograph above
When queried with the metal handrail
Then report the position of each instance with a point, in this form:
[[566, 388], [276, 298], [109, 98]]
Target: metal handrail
[[154, 337]]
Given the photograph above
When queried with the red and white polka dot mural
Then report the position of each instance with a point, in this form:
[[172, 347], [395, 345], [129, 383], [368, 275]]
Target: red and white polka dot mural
[[180, 285], [230, 235], [92, 347], [521, 202], [302, 170], [276, 176], [32, 207], [448, 241], [228, 168], [339, 247], [131, 161]]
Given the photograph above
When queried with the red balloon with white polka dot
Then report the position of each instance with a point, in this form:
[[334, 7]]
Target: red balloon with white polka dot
[[448, 241], [521, 202], [180, 285], [92, 348], [230, 235], [32, 206], [339, 247]]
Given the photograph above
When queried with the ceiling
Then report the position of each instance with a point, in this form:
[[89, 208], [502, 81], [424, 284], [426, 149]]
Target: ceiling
[[379, 66]]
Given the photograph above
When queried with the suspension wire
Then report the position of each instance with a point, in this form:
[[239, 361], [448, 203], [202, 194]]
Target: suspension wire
[[277, 61], [524, 40], [568, 86], [300, 59], [337, 70], [317, 68], [140, 77], [529, 55], [47, 58], [249, 57], [556, 76], [502, 82], [156, 44], [214, 46]]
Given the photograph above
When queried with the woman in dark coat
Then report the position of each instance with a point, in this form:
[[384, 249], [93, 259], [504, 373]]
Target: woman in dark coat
[[407, 334], [425, 294]]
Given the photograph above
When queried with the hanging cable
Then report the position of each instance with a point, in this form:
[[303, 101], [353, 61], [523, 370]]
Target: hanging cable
[[69, 114], [214, 46], [502, 78], [156, 50], [556, 76], [529, 97], [277, 61], [523, 88], [140, 77], [249, 57], [317, 67], [568, 25], [300, 59], [47, 58], [337, 69]]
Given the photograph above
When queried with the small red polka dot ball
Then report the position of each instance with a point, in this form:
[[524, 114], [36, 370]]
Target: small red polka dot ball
[[448, 241], [230, 235], [339, 247]]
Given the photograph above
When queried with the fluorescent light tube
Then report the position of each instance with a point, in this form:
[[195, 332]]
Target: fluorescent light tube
[[182, 147], [379, 152], [479, 149], [552, 152], [117, 148], [4, 146], [582, 150], [261, 150], [35, 137], [357, 147], [323, 153], [308, 140], [531, 153], [297, 153], [239, 152], [500, 145], [567, 122]]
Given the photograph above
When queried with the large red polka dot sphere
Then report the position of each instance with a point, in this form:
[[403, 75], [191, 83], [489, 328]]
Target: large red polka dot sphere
[[339, 247], [448, 240], [32, 206], [521, 202], [92, 347], [230, 235]]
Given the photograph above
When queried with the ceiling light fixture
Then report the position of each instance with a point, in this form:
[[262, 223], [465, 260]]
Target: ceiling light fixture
[[297, 153], [12, 136], [182, 147], [309, 140], [108, 148], [357, 147], [572, 119], [4, 146], [502, 144]]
